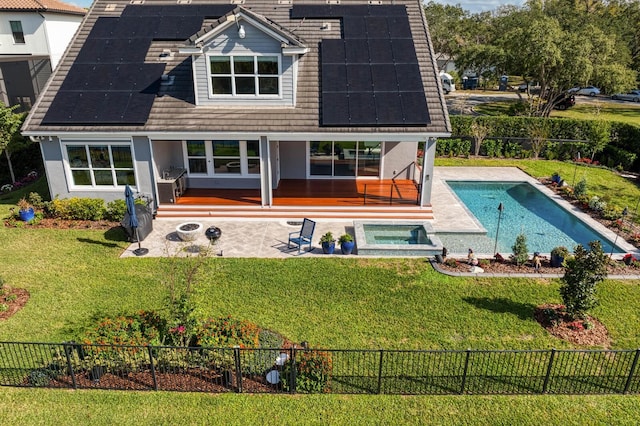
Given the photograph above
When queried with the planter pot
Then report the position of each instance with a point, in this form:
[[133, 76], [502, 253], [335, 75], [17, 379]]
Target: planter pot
[[26, 215], [347, 247], [556, 261], [328, 248], [556, 179], [189, 231]]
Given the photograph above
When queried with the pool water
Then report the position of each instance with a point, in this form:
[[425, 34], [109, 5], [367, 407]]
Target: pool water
[[395, 234], [526, 211]]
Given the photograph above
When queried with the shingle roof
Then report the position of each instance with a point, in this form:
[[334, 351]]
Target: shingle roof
[[53, 6], [176, 112]]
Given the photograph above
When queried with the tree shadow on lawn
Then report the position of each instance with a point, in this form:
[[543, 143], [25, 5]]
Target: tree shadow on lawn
[[501, 305]]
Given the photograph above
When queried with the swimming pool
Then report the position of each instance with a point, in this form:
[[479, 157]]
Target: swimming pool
[[526, 210]]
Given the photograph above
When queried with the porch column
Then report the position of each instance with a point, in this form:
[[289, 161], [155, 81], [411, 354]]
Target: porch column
[[426, 177], [266, 193]]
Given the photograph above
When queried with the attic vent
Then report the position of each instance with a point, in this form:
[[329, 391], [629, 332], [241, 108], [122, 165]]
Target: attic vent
[[137, 1], [326, 26], [333, 1], [375, 1], [237, 1], [285, 1], [184, 2], [110, 7], [166, 55]]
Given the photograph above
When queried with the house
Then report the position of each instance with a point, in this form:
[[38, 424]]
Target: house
[[245, 101], [33, 37]]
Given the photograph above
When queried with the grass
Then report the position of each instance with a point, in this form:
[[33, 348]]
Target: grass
[[627, 113], [17, 407], [76, 275]]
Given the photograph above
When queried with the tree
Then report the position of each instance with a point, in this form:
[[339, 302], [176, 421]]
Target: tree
[[583, 272], [538, 133], [479, 132], [10, 137]]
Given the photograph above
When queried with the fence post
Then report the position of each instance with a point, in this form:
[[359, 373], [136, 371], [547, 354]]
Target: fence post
[[153, 369], [380, 371], [294, 367], [67, 350], [464, 373], [632, 372], [236, 357], [549, 367]]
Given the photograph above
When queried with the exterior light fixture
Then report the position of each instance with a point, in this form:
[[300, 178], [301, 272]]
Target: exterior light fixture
[[241, 32]]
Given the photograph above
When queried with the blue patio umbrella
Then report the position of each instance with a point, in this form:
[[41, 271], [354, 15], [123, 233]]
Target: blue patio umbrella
[[133, 219]]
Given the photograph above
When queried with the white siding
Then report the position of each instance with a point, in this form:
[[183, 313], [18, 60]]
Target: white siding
[[60, 30], [35, 38], [255, 43]]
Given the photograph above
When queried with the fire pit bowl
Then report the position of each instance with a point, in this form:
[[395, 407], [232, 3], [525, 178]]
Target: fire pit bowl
[[213, 233], [188, 231]]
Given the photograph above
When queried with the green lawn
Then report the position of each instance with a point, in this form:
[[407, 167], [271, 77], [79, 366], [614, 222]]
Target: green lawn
[[76, 275], [624, 112]]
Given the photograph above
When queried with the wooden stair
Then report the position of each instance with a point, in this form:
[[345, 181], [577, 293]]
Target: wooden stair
[[181, 211]]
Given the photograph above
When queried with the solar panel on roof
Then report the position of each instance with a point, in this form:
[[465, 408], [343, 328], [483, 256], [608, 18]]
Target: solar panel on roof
[[387, 10], [334, 78], [389, 109], [384, 77], [351, 10], [335, 109], [103, 27], [354, 27], [357, 51], [380, 51], [403, 51], [399, 27], [409, 78], [332, 51], [414, 108], [376, 27], [362, 109], [310, 11], [359, 78]]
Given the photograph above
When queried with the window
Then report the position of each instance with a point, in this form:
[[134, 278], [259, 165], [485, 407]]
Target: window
[[245, 75], [100, 164], [229, 158], [340, 159], [18, 34]]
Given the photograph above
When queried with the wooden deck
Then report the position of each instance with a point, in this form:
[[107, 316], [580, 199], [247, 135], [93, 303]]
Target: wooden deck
[[299, 192]]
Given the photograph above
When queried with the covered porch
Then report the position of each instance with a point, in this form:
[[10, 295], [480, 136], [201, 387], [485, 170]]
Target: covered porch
[[320, 192]]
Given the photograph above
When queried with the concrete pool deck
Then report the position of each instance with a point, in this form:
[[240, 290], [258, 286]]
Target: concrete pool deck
[[267, 238]]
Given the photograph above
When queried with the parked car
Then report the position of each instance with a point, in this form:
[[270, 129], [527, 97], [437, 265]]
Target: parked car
[[533, 87], [587, 91], [633, 95], [563, 102]]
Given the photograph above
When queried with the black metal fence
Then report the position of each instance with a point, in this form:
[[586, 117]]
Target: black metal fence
[[296, 370]]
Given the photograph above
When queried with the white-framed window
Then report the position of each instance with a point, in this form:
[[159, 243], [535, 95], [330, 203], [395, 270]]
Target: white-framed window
[[225, 158], [99, 164], [18, 33], [244, 75]]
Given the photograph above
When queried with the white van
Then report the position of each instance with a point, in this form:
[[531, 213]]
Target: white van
[[447, 82]]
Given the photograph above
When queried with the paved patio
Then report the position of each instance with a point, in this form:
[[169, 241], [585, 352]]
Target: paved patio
[[268, 238]]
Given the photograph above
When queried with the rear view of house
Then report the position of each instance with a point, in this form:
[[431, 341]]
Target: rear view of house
[[261, 102]]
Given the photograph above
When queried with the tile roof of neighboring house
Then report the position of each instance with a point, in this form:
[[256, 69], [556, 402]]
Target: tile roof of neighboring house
[[175, 112], [53, 6]]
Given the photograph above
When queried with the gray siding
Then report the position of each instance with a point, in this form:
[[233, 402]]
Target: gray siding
[[255, 42], [399, 158], [293, 160]]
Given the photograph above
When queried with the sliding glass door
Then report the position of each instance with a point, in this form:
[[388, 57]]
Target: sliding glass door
[[344, 159]]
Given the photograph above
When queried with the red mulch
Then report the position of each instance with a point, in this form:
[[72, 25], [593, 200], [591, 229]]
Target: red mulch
[[22, 296], [572, 331]]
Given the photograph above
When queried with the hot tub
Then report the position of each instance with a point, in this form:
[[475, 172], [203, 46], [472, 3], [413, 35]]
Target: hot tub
[[396, 238]]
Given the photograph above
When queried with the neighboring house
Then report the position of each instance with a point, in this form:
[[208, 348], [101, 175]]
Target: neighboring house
[[34, 34], [241, 95]]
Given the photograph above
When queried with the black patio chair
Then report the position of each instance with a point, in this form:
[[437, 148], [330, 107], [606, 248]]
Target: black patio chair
[[304, 236]]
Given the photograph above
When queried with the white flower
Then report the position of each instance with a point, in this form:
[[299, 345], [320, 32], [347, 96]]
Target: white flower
[[6, 187]]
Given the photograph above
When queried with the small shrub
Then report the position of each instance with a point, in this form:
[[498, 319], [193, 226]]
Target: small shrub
[[551, 316], [520, 250], [451, 263], [313, 372], [228, 332], [115, 210], [39, 377], [11, 298], [483, 263], [597, 204], [4, 307], [580, 188], [76, 208]]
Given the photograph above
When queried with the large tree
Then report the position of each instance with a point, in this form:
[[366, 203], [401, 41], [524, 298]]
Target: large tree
[[10, 137]]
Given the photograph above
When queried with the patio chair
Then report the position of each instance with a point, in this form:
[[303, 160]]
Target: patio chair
[[303, 236]]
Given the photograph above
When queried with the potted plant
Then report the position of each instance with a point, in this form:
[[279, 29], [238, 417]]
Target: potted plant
[[346, 243], [25, 210], [555, 178], [328, 243], [558, 255]]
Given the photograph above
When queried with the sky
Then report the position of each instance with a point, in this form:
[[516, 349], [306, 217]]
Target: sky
[[472, 6]]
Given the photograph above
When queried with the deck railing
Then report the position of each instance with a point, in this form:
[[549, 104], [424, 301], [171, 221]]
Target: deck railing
[[295, 370], [391, 193]]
